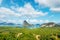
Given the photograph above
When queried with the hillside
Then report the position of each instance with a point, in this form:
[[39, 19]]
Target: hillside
[[50, 24], [26, 24], [12, 33]]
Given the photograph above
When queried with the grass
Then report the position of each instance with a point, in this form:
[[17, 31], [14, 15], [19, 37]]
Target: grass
[[10, 33]]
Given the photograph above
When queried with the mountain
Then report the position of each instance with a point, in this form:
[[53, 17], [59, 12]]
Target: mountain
[[50, 24], [26, 24], [2, 23], [5, 23], [58, 23]]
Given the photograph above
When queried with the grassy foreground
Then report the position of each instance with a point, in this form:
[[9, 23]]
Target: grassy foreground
[[14, 33]]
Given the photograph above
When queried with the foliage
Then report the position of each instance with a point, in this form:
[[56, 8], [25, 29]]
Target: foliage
[[10, 33]]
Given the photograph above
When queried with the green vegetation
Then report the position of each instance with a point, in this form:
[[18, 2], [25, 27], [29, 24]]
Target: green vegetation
[[46, 33]]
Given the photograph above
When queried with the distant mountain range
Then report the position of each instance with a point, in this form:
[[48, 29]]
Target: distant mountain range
[[28, 25], [5, 23]]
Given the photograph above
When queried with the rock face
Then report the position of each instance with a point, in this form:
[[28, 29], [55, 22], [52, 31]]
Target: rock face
[[50, 24], [26, 24]]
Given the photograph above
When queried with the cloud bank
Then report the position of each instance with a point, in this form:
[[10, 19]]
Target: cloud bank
[[27, 12], [53, 4]]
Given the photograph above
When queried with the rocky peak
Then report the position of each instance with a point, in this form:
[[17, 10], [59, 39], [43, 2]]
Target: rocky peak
[[50, 24], [26, 24]]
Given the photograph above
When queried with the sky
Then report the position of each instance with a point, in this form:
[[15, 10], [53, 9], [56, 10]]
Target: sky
[[33, 11]]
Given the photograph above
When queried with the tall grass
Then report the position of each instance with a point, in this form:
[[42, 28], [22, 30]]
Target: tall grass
[[10, 33]]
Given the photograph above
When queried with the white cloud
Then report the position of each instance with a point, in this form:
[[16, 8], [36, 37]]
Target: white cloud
[[31, 21], [29, 11], [6, 11], [55, 9], [35, 21], [2, 16], [14, 21], [53, 4], [46, 21], [49, 3], [26, 11], [43, 2]]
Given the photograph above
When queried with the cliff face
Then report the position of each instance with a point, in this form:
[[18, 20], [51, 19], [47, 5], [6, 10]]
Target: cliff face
[[50, 24], [26, 24]]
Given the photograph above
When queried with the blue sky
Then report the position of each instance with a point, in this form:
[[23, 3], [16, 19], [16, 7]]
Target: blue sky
[[33, 11]]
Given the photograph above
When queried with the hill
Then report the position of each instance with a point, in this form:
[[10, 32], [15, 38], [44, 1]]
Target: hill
[[50, 24], [12, 33], [26, 24]]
